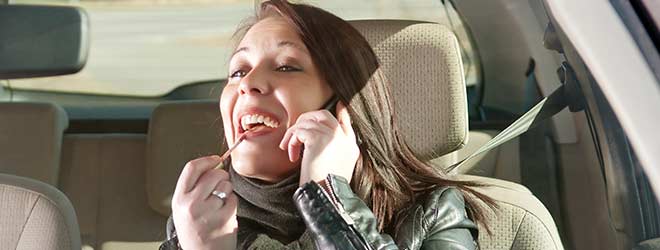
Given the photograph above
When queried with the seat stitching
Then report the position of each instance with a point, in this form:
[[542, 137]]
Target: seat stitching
[[51, 201], [60, 211], [518, 230], [518, 206], [20, 236], [549, 230]]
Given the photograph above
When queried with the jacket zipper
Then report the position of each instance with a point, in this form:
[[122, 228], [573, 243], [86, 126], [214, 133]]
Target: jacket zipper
[[342, 212], [333, 197]]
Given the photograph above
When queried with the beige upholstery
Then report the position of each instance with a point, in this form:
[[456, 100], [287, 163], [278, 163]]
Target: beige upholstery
[[104, 177], [35, 215], [522, 222], [30, 140], [178, 133], [130, 245], [423, 63]]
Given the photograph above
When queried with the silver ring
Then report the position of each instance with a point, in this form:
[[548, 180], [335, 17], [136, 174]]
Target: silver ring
[[221, 195]]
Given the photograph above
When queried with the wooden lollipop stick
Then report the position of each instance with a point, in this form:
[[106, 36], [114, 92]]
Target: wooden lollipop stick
[[226, 154]]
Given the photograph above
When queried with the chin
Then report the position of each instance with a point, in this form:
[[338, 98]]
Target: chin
[[263, 167]]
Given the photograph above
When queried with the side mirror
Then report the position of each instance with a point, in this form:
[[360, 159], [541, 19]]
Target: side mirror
[[40, 41]]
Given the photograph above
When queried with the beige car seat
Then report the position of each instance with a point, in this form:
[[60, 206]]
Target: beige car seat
[[35, 215], [422, 62], [31, 140]]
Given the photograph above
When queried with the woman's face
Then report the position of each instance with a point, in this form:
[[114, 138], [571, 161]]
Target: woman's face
[[271, 82]]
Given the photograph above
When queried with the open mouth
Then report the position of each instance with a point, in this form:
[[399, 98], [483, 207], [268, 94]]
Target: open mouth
[[256, 122]]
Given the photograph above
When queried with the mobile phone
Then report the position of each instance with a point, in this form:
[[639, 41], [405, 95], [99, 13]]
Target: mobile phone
[[331, 105]]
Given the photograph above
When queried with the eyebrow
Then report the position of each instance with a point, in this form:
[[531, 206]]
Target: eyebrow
[[240, 50], [291, 44], [279, 45]]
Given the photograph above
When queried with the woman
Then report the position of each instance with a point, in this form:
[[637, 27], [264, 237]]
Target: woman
[[355, 183]]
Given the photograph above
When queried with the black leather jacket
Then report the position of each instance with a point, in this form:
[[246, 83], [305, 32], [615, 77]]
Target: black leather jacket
[[337, 219]]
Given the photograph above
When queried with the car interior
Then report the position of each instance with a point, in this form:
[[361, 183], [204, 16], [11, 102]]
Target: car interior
[[91, 171]]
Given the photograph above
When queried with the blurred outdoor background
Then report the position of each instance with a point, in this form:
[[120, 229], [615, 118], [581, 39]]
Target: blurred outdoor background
[[149, 47]]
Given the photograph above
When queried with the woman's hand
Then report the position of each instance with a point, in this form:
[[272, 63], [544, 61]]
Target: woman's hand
[[329, 144], [202, 220]]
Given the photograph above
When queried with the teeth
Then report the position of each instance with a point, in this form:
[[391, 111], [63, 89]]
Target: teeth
[[257, 119], [244, 123]]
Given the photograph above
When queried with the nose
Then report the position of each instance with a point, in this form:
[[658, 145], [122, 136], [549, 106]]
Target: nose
[[255, 82]]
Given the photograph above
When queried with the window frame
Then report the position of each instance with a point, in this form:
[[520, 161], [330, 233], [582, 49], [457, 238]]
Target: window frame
[[478, 89]]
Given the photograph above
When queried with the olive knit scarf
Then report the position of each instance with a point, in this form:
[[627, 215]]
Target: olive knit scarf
[[266, 209]]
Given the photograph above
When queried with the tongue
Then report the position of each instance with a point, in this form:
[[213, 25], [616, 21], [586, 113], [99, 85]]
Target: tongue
[[256, 128]]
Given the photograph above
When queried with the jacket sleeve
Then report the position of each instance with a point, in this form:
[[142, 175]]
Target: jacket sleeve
[[337, 218], [172, 241], [448, 224]]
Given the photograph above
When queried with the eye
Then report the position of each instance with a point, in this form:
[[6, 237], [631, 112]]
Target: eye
[[287, 68], [238, 74]]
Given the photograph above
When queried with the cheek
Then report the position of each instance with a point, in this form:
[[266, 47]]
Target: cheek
[[297, 101], [291, 101], [227, 103]]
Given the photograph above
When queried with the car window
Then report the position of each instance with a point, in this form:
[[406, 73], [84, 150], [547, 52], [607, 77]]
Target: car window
[[149, 47]]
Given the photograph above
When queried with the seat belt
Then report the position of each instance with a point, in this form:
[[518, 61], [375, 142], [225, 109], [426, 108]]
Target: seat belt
[[567, 95]]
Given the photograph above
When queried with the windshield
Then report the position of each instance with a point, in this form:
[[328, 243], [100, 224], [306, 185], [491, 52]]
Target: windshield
[[149, 47]]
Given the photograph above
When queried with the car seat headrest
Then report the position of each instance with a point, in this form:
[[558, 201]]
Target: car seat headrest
[[178, 132], [31, 139], [423, 63]]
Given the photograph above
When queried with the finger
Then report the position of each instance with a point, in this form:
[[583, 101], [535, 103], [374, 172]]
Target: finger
[[310, 122], [322, 116], [225, 187], [344, 119], [231, 203], [222, 220], [319, 116], [303, 136], [294, 146], [305, 124], [315, 126], [228, 214], [286, 138], [207, 182], [192, 172]]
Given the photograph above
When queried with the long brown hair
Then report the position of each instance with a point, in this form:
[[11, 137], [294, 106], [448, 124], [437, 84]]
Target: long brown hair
[[389, 177]]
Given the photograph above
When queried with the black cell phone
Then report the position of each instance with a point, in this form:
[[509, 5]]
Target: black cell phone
[[331, 105]]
